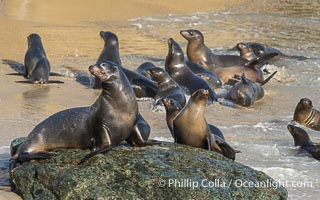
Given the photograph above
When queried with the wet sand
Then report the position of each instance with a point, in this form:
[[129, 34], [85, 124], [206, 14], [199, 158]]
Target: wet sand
[[69, 30]]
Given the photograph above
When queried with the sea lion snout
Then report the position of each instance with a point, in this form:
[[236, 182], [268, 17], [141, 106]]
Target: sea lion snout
[[306, 102], [103, 70]]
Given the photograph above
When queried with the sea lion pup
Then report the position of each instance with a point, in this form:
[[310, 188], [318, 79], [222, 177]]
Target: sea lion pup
[[111, 119], [306, 115], [36, 66], [142, 86], [143, 67], [246, 92], [167, 87], [302, 139], [224, 66], [213, 80], [173, 108], [190, 127], [199, 53], [178, 70]]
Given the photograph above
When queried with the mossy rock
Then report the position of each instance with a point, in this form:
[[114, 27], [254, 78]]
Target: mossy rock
[[164, 171]]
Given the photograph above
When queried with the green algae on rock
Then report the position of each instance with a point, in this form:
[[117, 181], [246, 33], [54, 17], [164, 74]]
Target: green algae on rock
[[161, 171]]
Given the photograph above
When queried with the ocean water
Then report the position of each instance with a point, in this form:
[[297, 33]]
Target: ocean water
[[259, 132]]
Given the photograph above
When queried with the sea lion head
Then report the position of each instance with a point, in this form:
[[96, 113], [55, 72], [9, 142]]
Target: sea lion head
[[157, 74], [109, 38], [303, 109], [300, 136], [33, 38], [192, 35], [175, 53], [105, 71], [200, 96], [170, 105]]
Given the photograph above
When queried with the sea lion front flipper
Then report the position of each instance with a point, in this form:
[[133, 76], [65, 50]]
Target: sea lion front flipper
[[256, 62], [23, 157], [226, 149], [150, 86], [16, 66], [212, 145], [268, 79], [135, 138]]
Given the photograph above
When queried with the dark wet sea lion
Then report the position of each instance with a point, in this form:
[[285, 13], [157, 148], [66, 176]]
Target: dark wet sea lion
[[190, 127], [212, 79], [302, 139], [143, 67], [142, 86], [36, 66], [111, 119], [167, 87], [180, 72], [306, 115], [199, 53], [245, 92], [173, 108]]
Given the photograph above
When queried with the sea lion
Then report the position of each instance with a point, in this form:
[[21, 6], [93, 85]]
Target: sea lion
[[190, 127], [212, 79], [178, 70], [224, 66], [143, 67], [36, 66], [173, 108], [306, 115], [302, 139], [111, 119], [245, 92], [199, 53], [142, 86], [167, 87], [246, 51]]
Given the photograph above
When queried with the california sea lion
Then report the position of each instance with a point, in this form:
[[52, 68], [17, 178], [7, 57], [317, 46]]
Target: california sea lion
[[173, 108], [111, 119], [178, 70], [190, 127], [245, 92], [143, 67], [224, 66], [142, 86], [302, 139], [36, 66], [199, 53], [212, 79], [167, 87], [306, 115]]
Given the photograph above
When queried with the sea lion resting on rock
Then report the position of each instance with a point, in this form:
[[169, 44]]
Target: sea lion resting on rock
[[191, 128], [306, 115], [111, 119], [302, 139]]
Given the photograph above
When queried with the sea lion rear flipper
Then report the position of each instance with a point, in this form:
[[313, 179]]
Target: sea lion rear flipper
[[93, 153], [256, 62], [269, 77], [16, 66], [55, 74]]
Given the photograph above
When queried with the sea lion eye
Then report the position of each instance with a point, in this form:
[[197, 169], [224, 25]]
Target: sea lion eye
[[191, 32]]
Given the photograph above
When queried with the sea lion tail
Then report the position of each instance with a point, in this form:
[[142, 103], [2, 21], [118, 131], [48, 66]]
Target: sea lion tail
[[269, 77]]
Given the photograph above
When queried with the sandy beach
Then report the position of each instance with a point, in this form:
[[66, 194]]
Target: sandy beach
[[70, 32]]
